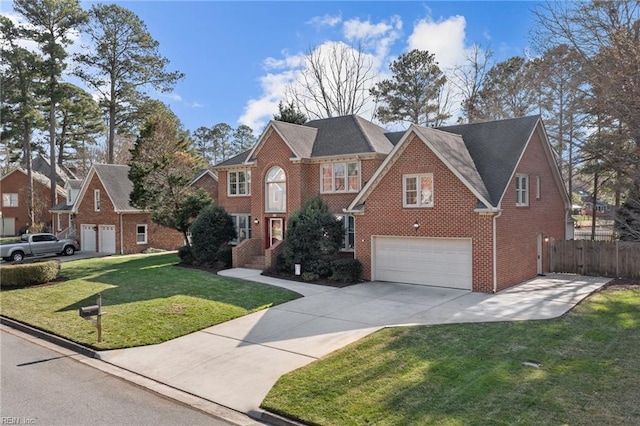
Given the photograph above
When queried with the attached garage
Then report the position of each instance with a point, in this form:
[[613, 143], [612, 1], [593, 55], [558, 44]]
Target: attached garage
[[88, 237], [441, 262], [107, 238], [8, 226]]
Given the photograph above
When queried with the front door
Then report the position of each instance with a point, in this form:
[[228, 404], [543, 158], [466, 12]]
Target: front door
[[276, 230]]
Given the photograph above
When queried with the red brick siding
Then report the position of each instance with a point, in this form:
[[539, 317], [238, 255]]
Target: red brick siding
[[157, 236], [518, 227], [209, 184], [451, 217], [17, 183]]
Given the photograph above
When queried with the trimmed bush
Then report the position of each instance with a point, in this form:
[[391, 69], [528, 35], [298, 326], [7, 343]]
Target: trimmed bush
[[346, 270], [16, 276], [186, 255], [224, 256], [314, 237], [212, 228]]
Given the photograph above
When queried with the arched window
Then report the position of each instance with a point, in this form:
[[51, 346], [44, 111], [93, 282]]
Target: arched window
[[276, 190]]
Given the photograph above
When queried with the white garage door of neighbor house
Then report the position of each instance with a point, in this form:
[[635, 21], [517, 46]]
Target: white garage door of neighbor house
[[442, 262], [88, 237], [8, 226], [107, 238]]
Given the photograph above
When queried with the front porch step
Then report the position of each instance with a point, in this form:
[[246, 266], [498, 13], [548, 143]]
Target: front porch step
[[257, 262]]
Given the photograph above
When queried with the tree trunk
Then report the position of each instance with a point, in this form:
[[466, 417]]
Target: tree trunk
[[26, 146], [594, 205], [52, 152]]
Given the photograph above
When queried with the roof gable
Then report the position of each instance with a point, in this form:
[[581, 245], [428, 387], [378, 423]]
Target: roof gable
[[448, 147], [116, 183]]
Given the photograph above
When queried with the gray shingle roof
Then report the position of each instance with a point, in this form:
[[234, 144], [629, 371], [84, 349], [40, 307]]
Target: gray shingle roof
[[235, 161], [348, 135], [496, 147], [115, 179], [452, 148], [300, 138]]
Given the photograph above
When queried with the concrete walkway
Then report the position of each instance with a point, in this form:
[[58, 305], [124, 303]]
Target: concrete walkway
[[236, 363]]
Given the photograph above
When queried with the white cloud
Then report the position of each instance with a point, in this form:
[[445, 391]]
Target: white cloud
[[445, 39], [325, 21], [377, 36], [287, 62], [258, 112]]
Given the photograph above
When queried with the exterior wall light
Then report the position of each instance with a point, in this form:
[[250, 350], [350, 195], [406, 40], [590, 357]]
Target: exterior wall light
[[256, 221], [416, 225]]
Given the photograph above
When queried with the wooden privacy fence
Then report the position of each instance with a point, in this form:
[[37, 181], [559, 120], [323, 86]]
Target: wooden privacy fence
[[616, 259]]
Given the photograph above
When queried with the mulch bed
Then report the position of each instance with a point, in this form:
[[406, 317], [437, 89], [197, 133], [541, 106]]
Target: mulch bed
[[623, 284]]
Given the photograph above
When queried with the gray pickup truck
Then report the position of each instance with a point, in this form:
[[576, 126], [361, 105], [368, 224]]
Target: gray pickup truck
[[37, 245]]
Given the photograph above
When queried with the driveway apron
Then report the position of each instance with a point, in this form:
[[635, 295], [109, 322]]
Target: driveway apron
[[236, 363]]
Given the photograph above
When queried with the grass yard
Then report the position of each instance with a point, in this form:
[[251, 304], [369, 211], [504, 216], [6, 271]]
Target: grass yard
[[147, 300], [473, 374]]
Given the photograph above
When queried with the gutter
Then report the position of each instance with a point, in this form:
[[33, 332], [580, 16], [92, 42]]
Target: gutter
[[121, 235], [495, 252]]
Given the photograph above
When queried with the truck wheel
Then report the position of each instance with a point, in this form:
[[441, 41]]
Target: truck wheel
[[69, 250], [17, 256]]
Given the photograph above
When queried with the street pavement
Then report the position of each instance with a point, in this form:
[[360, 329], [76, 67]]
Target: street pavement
[[41, 386], [236, 363]]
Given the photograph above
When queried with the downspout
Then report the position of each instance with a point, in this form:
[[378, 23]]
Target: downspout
[[121, 235], [495, 252]]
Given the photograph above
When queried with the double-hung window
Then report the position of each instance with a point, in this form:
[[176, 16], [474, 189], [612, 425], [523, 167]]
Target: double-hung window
[[242, 223], [276, 190], [340, 177], [141, 234], [239, 183], [522, 190], [417, 190], [96, 200], [10, 200]]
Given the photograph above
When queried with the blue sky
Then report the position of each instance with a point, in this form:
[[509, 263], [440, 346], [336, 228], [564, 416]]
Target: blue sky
[[238, 57]]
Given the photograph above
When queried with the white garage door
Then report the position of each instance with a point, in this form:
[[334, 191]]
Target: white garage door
[[88, 237], [8, 226], [442, 262], [107, 238]]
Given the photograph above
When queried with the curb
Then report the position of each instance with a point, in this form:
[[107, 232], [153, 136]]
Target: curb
[[94, 360], [51, 338], [273, 419]]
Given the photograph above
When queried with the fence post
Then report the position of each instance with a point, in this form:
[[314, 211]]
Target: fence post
[[617, 260]]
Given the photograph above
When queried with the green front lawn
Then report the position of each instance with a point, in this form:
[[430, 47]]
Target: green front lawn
[[473, 374], [147, 300]]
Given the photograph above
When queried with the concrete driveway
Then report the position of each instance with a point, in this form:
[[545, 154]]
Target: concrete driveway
[[236, 363]]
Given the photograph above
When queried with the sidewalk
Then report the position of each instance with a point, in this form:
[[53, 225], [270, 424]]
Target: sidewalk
[[236, 363]]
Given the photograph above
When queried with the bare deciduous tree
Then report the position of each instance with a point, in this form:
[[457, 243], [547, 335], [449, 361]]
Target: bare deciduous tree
[[469, 77], [334, 81]]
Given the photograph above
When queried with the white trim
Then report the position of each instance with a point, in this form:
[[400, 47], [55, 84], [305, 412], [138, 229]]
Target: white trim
[[246, 184], [267, 193], [10, 199], [145, 234], [96, 200], [418, 180], [346, 189], [522, 194], [538, 188]]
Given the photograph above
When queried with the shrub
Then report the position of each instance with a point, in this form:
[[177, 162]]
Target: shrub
[[309, 276], [346, 270], [314, 236], [224, 256], [16, 276], [212, 228], [186, 255]]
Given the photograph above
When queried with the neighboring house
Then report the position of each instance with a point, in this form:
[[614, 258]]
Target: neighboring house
[[100, 214], [13, 186], [468, 206]]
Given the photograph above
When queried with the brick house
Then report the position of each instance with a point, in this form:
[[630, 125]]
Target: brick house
[[467, 206], [100, 214], [13, 186]]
